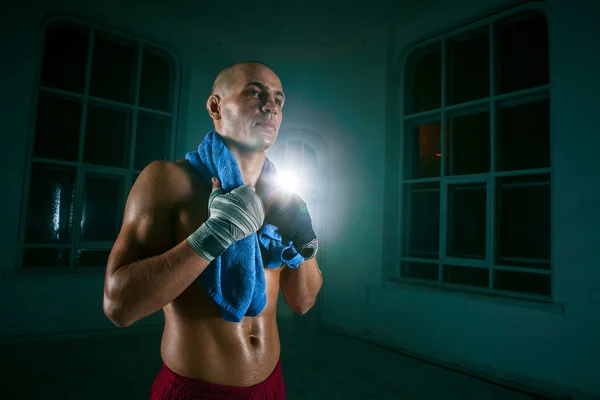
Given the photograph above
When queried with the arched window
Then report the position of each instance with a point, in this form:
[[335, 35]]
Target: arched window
[[298, 164], [476, 158], [106, 107]]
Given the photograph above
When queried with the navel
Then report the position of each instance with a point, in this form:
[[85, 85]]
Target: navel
[[254, 340]]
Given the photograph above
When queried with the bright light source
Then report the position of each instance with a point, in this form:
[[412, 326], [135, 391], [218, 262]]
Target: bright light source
[[287, 180]]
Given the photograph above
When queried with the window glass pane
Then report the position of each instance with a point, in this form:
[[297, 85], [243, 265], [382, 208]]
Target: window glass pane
[[91, 258], [310, 156], [523, 136], [153, 139], [293, 155], [107, 136], [113, 68], [523, 221], [468, 144], [467, 221], [134, 178], [51, 205], [523, 282], [102, 209], [468, 67], [45, 257], [522, 52], [422, 150], [424, 80], [310, 173], [57, 127], [418, 270], [470, 276], [421, 220], [156, 80], [65, 56]]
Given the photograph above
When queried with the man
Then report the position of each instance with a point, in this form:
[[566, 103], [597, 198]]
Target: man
[[159, 255]]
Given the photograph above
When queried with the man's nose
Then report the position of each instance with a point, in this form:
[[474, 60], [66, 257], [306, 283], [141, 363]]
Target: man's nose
[[270, 105]]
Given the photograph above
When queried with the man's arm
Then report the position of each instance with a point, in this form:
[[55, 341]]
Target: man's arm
[[301, 285], [143, 274]]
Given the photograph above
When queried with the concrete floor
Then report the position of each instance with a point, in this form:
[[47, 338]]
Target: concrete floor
[[315, 366]]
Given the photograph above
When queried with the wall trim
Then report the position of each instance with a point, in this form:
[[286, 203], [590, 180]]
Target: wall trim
[[80, 335], [518, 383]]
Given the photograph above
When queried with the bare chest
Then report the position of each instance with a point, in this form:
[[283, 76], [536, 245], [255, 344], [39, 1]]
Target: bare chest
[[189, 217]]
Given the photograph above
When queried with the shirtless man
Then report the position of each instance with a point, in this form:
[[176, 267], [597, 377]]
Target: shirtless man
[[153, 265]]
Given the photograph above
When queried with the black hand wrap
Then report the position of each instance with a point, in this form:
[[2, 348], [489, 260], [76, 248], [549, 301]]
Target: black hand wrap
[[288, 212]]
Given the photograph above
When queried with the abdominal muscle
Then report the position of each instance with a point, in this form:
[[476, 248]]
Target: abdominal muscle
[[198, 343]]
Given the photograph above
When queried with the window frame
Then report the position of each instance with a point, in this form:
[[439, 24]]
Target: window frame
[[520, 97], [312, 140], [82, 168]]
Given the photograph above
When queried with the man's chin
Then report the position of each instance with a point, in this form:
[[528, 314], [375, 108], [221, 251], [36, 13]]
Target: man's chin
[[266, 137], [266, 144], [261, 143]]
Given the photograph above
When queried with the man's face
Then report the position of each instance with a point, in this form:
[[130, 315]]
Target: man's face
[[250, 112]]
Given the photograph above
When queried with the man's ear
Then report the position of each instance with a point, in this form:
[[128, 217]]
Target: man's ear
[[213, 106]]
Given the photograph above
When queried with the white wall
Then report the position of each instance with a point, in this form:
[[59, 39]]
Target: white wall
[[351, 101], [554, 347]]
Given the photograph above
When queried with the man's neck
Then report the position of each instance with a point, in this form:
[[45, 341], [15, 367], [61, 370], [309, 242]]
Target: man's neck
[[250, 164]]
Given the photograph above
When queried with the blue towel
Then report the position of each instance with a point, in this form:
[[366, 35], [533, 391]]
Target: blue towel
[[236, 279], [275, 252]]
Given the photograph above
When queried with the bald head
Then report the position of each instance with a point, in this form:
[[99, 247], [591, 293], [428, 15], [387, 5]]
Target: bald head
[[245, 105], [227, 78]]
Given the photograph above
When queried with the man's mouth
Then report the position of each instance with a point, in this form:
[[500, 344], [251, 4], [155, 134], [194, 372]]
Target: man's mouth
[[267, 124]]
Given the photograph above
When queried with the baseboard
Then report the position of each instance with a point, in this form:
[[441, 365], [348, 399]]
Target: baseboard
[[332, 329], [538, 390], [83, 334]]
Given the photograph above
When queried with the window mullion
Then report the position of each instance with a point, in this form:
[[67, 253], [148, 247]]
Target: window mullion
[[490, 252], [80, 177], [86, 93], [443, 156], [444, 79], [135, 114], [174, 120]]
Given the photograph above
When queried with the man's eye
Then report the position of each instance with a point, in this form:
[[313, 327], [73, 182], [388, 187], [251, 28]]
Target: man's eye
[[254, 92]]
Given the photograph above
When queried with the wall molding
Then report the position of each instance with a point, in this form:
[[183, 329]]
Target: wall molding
[[537, 389], [80, 335]]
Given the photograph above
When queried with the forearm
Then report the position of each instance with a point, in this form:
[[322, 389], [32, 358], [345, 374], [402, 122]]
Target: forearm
[[139, 289], [301, 285]]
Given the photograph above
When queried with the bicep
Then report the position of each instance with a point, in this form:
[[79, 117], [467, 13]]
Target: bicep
[[147, 224]]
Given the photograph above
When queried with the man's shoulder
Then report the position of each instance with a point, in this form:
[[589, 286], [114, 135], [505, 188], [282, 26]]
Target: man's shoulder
[[175, 180], [169, 170], [163, 172]]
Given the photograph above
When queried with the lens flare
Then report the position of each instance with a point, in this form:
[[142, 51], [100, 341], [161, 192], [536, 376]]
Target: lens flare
[[288, 181]]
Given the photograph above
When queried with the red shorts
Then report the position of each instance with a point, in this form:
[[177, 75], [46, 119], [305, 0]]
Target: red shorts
[[170, 386]]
